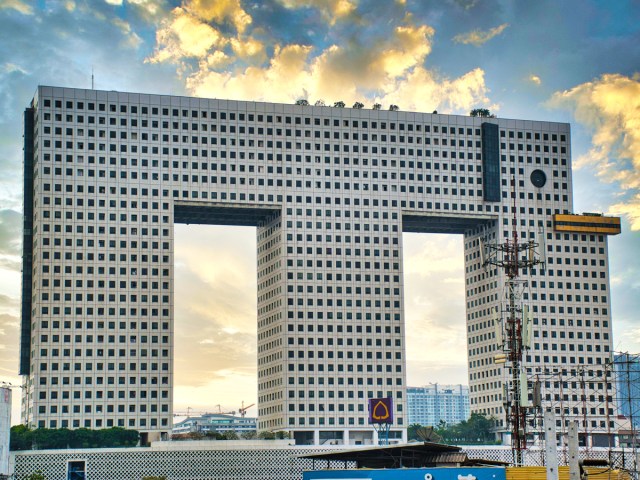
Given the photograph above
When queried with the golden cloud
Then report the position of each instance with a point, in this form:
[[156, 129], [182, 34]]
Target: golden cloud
[[422, 91], [535, 79], [479, 37], [249, 49], [610, 107], [219, 11], [149, 10], [409, 47], [630, 209], [279, 81], [392, 67], [17, 5], [215, 60], [331, 10], [185, 35], [389, 69]]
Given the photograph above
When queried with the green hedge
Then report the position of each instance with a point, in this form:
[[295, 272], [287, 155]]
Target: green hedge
[[23, 438]]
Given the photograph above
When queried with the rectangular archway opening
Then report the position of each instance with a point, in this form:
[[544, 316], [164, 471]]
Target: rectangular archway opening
[[434, 308], [215, 316]]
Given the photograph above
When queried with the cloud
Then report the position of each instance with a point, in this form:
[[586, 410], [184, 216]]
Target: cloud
[[368, 65], [220, 11], [535, 79], [610, 107], [387, 69], [465, 4], [185, 35], [148, 10], [479, 37], [434, 305], [10, 232], [9, 326], [151, 5], [630, 209], [422, 90], [17, 5], [11, 68], [216, 308], [249, 49], [7, 301], [331, 10], [132, 40]]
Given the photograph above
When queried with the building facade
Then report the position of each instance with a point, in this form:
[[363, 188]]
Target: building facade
[[627, 368], [216, 422], [330, 191], [432, 404]]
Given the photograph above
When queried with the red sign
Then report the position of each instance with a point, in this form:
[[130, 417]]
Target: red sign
[[381, 410]]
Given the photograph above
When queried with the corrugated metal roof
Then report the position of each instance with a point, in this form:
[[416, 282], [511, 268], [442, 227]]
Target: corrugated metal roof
[[414, 455]]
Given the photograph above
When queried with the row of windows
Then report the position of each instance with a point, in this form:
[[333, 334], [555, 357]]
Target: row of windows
[[78, 325], [374, 162], [311, 421], [194, 152], [232, 116], [100, 352], [250, 135], [134, 366], [164, 111], [99, 394], [101, 311], [98, 408], [108, 423]]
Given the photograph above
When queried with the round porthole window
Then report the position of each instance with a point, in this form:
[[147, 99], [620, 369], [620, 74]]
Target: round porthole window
[[538, 178]]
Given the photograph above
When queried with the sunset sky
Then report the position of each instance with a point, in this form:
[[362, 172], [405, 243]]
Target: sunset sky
[[572, 61]]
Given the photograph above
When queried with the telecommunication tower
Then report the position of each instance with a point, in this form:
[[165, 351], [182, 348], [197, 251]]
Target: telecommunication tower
[[513, 325]]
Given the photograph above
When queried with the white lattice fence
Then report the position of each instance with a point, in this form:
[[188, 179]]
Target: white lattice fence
[[130, 464], [240, 464]]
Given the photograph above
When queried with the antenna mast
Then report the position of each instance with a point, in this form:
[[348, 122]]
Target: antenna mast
[[514, 321]]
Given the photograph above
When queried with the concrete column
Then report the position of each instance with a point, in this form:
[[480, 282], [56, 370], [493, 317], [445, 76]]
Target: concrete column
[[551, 448], [574, 465], [316, 437], [345, 437]]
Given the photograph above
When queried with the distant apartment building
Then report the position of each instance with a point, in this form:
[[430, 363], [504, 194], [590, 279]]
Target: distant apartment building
[[215, 422], [433, 403], [628, 387]]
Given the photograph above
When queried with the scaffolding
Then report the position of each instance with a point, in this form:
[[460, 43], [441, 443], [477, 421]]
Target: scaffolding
[[604, 400]]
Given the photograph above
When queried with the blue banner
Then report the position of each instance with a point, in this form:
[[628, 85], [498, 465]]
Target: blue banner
[[462, 473]]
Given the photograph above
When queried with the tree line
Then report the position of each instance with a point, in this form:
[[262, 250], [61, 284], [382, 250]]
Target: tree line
[[24, 438], [477, 430]]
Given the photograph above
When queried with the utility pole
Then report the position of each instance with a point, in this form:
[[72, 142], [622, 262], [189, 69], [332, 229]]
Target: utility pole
[[514, 326]]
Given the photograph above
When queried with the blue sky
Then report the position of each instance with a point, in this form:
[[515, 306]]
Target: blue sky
[[574, 61]]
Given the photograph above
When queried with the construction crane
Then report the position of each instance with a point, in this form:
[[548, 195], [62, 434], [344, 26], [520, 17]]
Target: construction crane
[[220, 412], [243, 410], [191, 411]]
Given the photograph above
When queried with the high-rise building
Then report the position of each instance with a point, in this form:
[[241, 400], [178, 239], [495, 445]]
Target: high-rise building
[[627, 369], [330, 190], [434, 403]]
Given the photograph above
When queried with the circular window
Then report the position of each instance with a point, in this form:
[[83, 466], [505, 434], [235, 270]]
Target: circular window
[[538, 178]]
